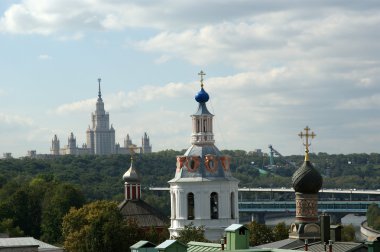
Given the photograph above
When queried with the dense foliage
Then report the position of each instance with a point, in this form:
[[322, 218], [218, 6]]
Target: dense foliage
[[100, 177], [373, 216], [35, 194], [261, 233], [36, 207], [191, 233], [99, 227], [348, 233]]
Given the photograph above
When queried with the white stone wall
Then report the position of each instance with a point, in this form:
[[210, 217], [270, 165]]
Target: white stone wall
[[214, 228]]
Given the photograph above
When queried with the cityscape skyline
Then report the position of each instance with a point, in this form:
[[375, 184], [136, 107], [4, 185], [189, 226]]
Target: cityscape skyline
[[272, 68]]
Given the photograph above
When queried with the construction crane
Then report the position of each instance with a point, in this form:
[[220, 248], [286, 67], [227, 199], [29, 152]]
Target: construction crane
[[273, 152]]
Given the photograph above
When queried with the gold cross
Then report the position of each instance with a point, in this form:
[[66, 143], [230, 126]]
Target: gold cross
[[201, 73], [307, 135]]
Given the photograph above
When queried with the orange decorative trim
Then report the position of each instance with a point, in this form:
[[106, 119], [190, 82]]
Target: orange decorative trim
[[196, 162], [226, 160], [211, 163], [180, 162]]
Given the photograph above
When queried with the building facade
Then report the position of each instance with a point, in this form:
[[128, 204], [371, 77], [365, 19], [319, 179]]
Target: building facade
[[100, 137], [203, 191]]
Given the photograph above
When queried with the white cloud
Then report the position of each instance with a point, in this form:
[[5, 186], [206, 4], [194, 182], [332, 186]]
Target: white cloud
[[122, 100], [74, 36], [80, 106], [368, 102], [15, 120], [290, 63], [44, 57], [274, 39]]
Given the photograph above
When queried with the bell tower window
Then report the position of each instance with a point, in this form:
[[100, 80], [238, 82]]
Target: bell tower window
[[232, 205], [190, 206], [214, 205]]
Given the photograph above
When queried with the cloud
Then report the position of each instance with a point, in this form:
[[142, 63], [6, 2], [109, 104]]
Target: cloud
[[46, 17], [122, 100], [73, 36], [15, 120], [44, 57], [274, 39], [79, 106], [361, 103], [278, 65]]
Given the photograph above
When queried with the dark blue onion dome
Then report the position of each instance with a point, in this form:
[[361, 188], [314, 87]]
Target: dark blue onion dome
[[307, 179], [202, 96]]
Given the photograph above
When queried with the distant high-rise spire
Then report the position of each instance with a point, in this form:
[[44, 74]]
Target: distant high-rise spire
[[100, 92]]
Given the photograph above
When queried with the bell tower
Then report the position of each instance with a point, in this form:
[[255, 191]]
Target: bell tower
[[203, 190]]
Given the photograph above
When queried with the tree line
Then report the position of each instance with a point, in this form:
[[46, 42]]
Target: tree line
[[37, 194]]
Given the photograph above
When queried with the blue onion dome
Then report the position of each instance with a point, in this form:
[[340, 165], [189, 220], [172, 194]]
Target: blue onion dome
[[202, 96], [307, 179]]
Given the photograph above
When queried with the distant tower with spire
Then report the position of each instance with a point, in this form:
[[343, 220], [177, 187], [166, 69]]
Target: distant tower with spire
[[55, 146], [146, 147], [203, 191], [306, 181], [100, 136], [72, 144]]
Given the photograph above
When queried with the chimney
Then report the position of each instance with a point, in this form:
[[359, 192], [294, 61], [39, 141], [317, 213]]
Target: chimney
[[222, 243], [330, 245], [325, 227], [306, 245], [336, 234]]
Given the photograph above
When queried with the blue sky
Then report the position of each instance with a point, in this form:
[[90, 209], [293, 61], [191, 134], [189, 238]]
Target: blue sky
[[272, 68]]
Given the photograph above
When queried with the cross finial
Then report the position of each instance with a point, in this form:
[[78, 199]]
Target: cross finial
[[201, 73], [307, 135], [99, 92], [132, 152]]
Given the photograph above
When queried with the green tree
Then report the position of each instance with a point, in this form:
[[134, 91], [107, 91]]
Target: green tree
[[98, 226], [376, 223], [155, 235], [348, 233], [7, 226], [373, 212], [191, 233], [18, 205], [55, 206], [280, 231], [259, 234]]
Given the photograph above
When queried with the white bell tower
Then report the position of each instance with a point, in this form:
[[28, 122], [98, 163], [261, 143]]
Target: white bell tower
[[203, 190]]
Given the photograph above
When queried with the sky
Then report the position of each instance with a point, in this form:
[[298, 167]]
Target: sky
[[272, 68]]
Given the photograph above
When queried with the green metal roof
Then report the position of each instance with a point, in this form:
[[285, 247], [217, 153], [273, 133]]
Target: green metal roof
[[142, 244], [235, 227], [169, 243], [203, 246]]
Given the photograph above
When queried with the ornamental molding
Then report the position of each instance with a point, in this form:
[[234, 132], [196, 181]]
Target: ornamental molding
[[192, 163], [225, 160], [211, 163]]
